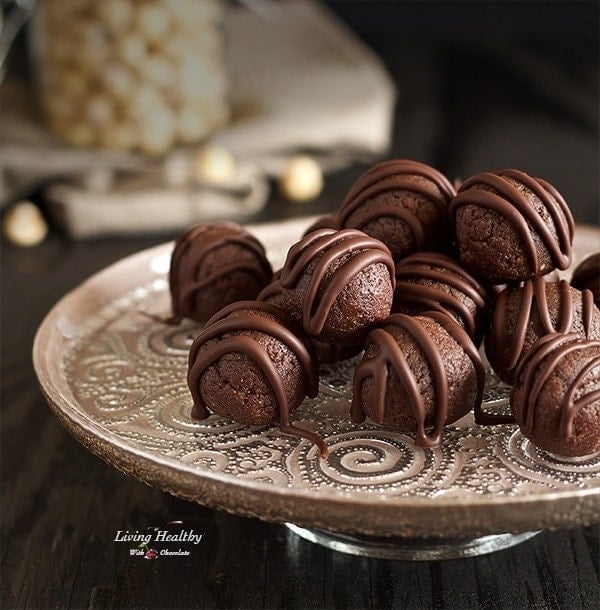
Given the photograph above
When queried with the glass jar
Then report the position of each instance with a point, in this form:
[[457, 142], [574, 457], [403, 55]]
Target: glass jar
[[127, 75]]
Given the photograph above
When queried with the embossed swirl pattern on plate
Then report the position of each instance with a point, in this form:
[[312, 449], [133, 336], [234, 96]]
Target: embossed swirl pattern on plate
[[127, 372]]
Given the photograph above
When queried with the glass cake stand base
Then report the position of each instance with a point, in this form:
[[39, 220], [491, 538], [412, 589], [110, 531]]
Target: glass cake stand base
[[410, 549]]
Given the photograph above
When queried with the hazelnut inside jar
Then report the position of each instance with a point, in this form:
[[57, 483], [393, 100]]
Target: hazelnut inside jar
[[130, 75]]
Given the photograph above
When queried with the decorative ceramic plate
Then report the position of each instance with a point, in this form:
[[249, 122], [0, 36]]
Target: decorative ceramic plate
[[116, 378]]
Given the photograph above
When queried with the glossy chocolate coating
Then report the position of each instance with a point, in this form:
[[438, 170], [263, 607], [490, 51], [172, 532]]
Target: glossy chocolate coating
[[213, 265], [426, 368], [586, 276], [249, 333], [556, 398], [430, 281], [510, 226], [524, 314], [338, 284], [403, 203]]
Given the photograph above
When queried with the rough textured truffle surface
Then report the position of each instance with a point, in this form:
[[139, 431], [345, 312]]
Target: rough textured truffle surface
[[402, 203], [523, 315], [252, 365], [213, 265], [556, 397], [510, 226], [586, 276], [326, 352], [338, 284], [416, 373], [429, 281]]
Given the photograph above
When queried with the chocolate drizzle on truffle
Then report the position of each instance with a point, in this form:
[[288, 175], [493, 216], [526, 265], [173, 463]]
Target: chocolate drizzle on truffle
[[587, 276], [324, 222], [246, 320], [390, 354], [534, 298], [330, 246], [441, 269], [535, 370], [271, 293], [326, 351], [392, 176], [186, 279], [495, 192]]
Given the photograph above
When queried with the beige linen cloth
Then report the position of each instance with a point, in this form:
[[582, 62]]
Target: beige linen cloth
[[300, 82]]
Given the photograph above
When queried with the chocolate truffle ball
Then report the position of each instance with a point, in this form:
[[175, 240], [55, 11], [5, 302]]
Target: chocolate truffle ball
[[326, 352], [338, 284], [430, 281], [402, 203], [494, 290], [526, 313], [213, 265], [510, 226], [271, 293], [251, 364], [556, 397], [324, 222], [587, 276], [416, 373]]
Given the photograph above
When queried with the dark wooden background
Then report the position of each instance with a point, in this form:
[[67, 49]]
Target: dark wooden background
[[474, 94]]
